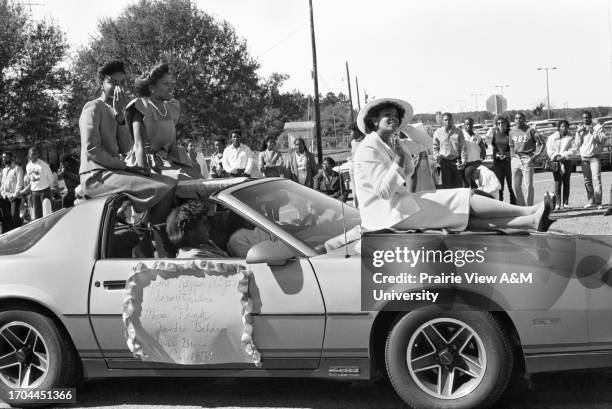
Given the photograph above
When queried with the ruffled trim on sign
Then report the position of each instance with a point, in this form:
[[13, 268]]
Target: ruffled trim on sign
[[144, 275]]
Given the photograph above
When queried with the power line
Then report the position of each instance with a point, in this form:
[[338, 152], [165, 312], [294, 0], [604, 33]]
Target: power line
[[284, 39]]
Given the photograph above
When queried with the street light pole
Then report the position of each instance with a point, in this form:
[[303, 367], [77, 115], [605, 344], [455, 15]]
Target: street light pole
[[476, 97], [547, 88], [348, 79], [501, 87]]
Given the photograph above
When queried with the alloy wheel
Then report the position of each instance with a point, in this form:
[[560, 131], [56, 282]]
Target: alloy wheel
[[24, 356], [446, 358]]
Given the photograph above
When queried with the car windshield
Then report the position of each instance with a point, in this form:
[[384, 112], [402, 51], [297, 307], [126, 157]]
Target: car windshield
[[19, 240], [308, 215]]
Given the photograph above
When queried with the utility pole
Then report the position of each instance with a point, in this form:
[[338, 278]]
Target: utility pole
[[501, 87], [348, 79], [547, 88], [316, 89], [357, 90], [476, 97]]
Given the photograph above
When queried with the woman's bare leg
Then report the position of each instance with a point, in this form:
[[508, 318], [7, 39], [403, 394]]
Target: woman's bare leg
[[521, 222], [491, 220], [485, 208]]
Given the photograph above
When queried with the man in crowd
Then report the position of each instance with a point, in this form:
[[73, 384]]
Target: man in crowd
[[41, 180], [10, 187], [589, 140], [237, 157], [329, 181], [486, 181], [476, 151], [449, 152], [525, 146], [216, 160]]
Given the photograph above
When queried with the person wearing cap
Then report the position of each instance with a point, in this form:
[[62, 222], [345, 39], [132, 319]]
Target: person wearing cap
[[383, 168], [449, 152]]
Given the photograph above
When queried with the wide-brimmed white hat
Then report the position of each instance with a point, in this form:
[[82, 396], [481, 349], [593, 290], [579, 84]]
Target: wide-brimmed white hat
[[408, 111]]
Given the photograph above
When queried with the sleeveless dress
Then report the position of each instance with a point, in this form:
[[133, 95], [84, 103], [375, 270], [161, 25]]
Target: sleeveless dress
[[162, 152]]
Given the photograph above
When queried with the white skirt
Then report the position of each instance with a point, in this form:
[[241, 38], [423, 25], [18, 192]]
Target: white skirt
[[442, 209]]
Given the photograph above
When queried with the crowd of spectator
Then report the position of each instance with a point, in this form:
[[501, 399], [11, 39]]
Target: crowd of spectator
[[31, 192]]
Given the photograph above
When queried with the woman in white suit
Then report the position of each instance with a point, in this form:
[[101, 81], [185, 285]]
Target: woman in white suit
[[383, 172]]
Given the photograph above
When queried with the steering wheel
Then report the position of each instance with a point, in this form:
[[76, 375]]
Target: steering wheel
[[308, 220]]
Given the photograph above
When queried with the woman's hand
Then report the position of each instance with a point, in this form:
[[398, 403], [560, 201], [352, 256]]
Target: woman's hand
[[400, 153]]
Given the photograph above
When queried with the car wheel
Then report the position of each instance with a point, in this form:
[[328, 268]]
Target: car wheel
[[448, 359], [34, 353]]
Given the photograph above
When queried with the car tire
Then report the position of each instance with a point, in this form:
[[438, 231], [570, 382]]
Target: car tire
[[465, 340], [44, 348]]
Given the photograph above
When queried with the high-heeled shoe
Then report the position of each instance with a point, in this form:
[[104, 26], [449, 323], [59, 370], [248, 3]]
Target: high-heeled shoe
[[545, 221]]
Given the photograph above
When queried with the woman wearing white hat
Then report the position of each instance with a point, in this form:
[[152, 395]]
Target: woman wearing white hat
[[383, 171]]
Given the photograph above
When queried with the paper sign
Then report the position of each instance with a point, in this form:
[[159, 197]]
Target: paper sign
[[191, 313]]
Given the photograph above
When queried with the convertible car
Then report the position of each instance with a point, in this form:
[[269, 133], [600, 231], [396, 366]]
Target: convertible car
[[64, 280]]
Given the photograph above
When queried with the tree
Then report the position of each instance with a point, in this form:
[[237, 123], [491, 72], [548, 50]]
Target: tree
[[214, 77], [278, 108], [33, 85]]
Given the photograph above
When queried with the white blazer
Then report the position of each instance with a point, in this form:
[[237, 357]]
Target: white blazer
[[384, 199]]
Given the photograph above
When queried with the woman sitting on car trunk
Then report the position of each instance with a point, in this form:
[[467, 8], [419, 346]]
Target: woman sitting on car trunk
[[383, 172]]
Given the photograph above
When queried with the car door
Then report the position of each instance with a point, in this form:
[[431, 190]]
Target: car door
[[594, 266], [288, 311]]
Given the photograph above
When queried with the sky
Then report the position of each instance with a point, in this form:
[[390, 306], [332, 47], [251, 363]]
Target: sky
[[434, 54]]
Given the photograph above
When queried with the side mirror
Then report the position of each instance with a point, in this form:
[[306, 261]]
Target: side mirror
[[272, 253]]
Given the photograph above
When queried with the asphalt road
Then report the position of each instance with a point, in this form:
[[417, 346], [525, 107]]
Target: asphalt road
[[569, 390], [578, 219]]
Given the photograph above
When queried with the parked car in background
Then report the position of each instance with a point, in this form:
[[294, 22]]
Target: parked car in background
[[602, 119], [606, 155], [537, 125]]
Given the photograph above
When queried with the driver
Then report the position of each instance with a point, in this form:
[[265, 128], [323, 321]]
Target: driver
[[247, 235]]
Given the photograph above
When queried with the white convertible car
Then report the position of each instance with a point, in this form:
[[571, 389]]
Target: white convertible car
[[63, 303]]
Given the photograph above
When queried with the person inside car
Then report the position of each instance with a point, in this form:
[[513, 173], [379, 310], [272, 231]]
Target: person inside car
[[188, 229], [383, 168], [244, 237]]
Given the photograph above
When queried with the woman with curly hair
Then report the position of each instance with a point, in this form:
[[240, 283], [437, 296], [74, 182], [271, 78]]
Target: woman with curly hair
[[383, 169], [152, 119], [188, 229]]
